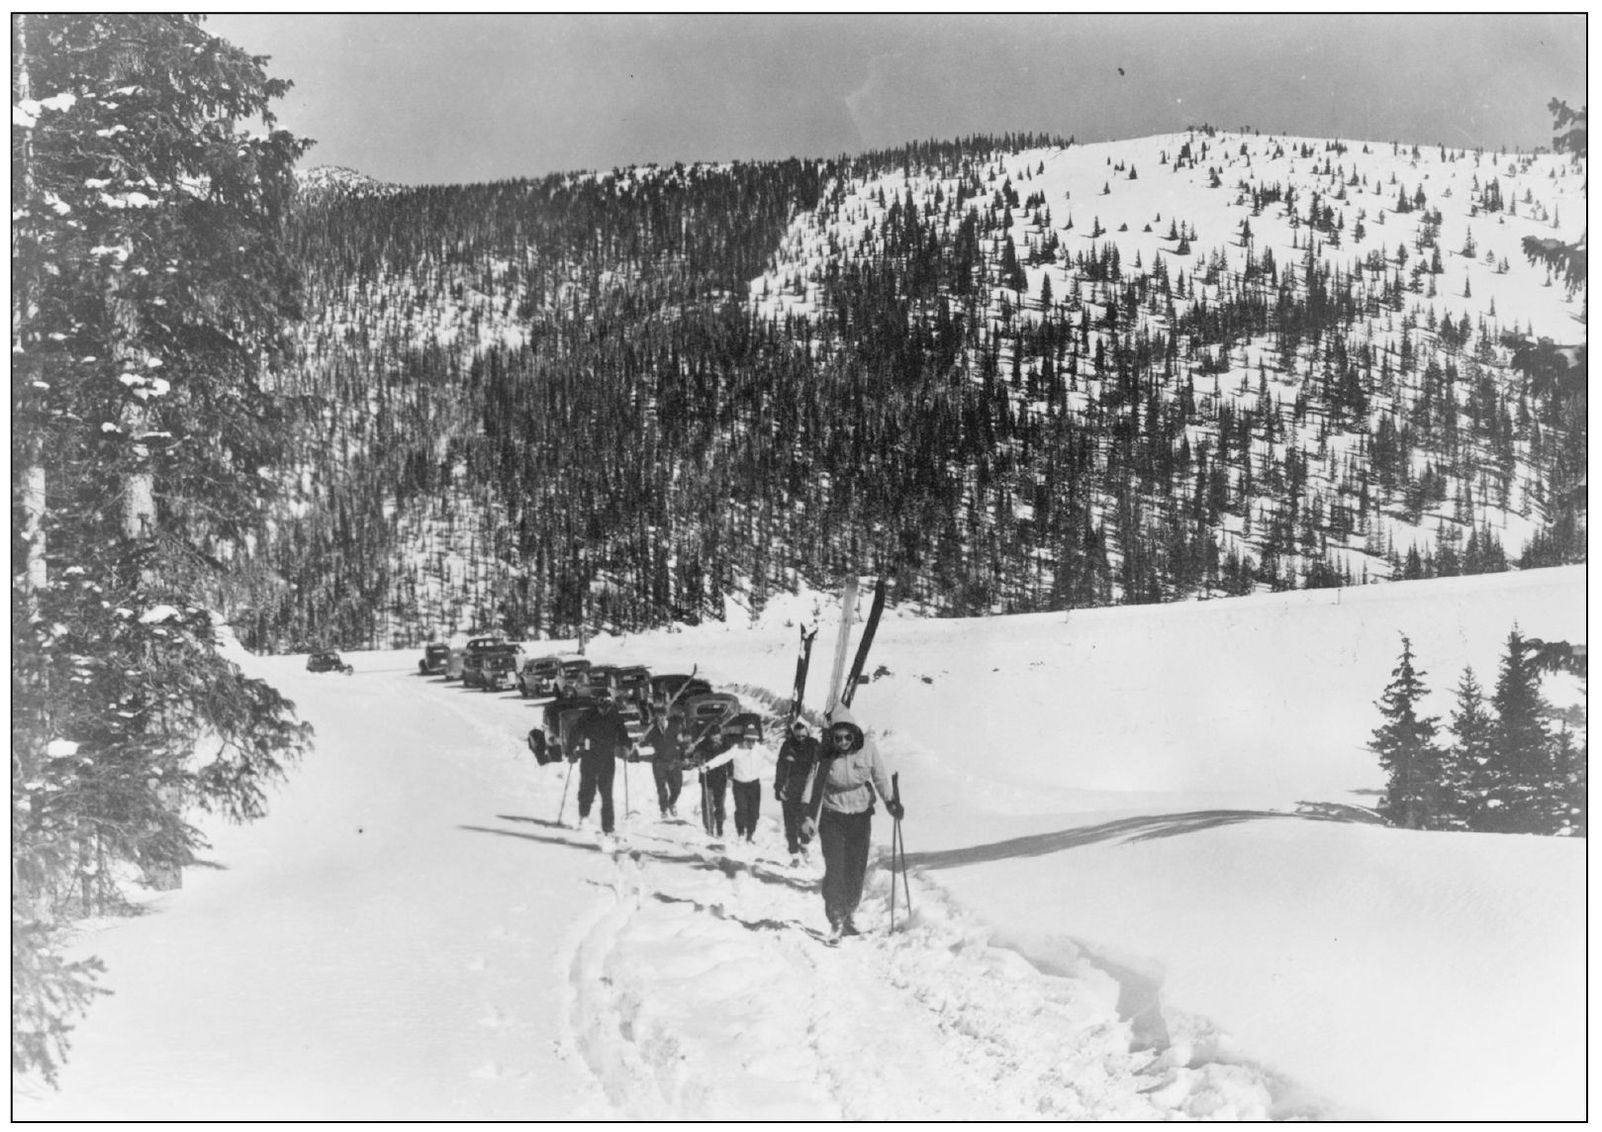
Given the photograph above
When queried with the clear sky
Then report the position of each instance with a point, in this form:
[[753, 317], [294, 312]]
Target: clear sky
[[427, 99]]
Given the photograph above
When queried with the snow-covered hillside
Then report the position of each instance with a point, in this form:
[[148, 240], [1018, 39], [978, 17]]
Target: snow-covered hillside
[[1144, 887], [1204, 208], [1199, 363]]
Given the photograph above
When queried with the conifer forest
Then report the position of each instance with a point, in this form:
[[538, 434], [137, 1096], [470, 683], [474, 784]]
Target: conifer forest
[[606, 401]]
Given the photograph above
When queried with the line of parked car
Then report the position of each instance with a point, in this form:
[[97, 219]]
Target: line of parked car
[[572, 684]]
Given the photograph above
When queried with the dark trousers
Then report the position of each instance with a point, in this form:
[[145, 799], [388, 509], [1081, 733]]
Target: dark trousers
[[596, 769], [714, 785], [845, 860], [669, 781], [747, 806], [795, 811]]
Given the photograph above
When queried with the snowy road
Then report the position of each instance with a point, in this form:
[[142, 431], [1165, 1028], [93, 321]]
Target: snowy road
[[411, 936]]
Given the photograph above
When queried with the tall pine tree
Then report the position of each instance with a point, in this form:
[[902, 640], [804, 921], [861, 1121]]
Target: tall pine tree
[[1468, 762], [1405, 744], [149, 299], [1522, 782]]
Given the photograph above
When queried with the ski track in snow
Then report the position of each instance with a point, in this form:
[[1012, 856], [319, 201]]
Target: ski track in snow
[[701, 988]]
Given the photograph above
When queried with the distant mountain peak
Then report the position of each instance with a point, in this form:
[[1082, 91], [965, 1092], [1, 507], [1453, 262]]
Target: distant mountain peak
[[339, 181]]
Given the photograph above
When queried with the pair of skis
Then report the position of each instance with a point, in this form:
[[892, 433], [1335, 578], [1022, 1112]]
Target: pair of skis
[[842, 689], [843, 685]]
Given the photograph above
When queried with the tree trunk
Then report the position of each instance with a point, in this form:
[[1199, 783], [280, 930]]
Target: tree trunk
[[33, 481], [33, 512]]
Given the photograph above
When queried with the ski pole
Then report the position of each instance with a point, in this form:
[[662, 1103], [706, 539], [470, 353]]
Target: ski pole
[[895, 831], [706, 802], [898, 856], [900, 848], [565, 783], [627, 809]]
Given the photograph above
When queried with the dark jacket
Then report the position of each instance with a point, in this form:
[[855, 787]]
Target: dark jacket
[[796, 758], [711, 746], [666, 740], [601, 732]]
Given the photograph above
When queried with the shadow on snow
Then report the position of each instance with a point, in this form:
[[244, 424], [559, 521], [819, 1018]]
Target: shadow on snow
[[1145, 828]]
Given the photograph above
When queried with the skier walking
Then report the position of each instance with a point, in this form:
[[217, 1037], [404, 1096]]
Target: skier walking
[[714, 779], [840, 813], [598, 740], [745, 762], [665, 737], [796, 758]]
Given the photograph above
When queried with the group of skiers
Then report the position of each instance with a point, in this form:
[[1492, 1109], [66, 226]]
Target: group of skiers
[[825, 786]]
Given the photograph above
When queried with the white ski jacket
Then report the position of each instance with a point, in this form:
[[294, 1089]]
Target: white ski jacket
[[748, 762]]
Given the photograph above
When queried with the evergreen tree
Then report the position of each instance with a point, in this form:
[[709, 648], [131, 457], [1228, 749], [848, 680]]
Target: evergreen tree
[[1521, 798], [1569, 760], [149, 293], [1468, 762], [1405, 746]]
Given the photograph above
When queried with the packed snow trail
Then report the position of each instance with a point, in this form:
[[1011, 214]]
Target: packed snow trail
[[410, 935], [703, 990]]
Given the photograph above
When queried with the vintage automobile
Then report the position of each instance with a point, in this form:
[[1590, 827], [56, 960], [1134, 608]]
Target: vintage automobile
[[477, 663], [572, 677], [706, 714], [631, 690], [498, 668], [327, 660], [436, 656], [664, 688], [458, 661], [632, 682], [538, 676], [599, 679]]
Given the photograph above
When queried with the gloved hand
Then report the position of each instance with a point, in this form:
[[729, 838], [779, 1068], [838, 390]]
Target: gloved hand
[[809, 830], [897, 810]]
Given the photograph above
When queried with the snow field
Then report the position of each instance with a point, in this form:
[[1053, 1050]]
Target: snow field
[[411, 935]]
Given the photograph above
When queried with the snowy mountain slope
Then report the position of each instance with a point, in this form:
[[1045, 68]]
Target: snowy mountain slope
[[1120, 915], [1211, 205], [1299, 351]]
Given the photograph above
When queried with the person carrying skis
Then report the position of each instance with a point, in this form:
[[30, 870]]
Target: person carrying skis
[[796, 759], [714, 780], [597, 741], [745, 761], [665, 737], [840, 813]]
